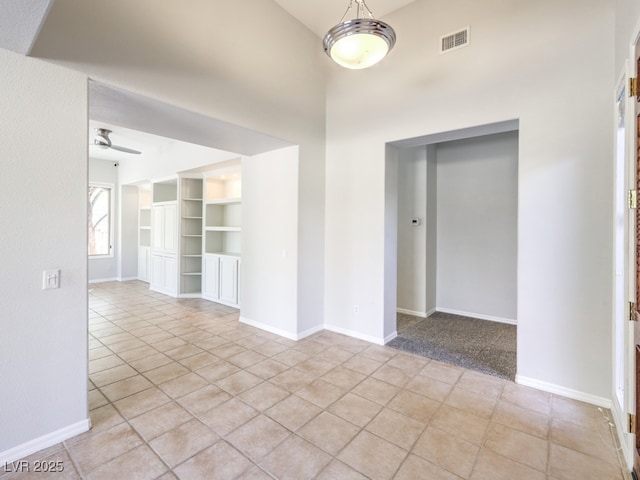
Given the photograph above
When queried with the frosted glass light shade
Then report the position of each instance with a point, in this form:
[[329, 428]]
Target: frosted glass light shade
[[359, 43]]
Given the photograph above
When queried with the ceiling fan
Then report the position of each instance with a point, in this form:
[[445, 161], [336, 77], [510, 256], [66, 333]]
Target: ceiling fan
[[102, 140]]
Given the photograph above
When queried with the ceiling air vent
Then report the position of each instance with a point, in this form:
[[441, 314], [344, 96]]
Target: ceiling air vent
[[454, 40]]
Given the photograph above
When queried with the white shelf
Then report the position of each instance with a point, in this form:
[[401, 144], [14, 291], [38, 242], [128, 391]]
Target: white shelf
[[193, 274], [192, 255], [145, 227], [192, 199], [223, 201], [192, 218], [223, 229], [226, 254]]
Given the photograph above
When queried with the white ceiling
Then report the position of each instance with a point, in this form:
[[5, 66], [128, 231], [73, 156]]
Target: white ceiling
[[320, 16]]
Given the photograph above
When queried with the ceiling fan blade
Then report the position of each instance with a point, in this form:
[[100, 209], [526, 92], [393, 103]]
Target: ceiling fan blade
[[125, 149]]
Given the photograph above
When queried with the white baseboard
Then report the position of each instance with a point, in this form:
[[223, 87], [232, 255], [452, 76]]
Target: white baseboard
[[366, 338], [283, 333], [127, 279], [45, 441], [104, 280], [480, 316], [414, 313], [564, 391]]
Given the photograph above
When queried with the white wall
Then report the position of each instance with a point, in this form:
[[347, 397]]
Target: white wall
[[627, 28], [104, 172], [412, 240], [270, 241], [127, 239], [43, 192], [477, 226], [528, 61]]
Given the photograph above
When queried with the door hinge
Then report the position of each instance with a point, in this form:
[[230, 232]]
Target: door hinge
[[633, 198], [633, 87], [632, 423], [632, 312]]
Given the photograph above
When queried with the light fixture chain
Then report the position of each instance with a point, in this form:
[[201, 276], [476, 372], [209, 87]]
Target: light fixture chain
[[349, 7]]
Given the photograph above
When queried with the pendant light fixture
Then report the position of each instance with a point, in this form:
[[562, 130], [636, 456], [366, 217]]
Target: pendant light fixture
[[360, 42]]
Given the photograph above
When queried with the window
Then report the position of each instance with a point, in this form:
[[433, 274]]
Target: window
[[99, 220]]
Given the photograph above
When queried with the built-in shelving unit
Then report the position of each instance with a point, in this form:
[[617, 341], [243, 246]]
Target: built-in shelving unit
[[222, 242], [144, 232], [164, 233], [191, 211]]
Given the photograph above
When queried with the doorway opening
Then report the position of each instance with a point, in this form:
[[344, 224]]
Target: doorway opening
[[456, 234]]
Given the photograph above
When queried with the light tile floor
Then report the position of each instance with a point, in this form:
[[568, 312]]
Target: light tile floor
[[181, 389]]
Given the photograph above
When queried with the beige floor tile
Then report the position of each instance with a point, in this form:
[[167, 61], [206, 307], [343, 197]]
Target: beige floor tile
[[430, 388], [103, 447], [99, 352], [595, 440], [124, 388], [227, 351], [380, 353], [464, 424], [96, 399], [217, 371], [139, 403], [290, 357], [204, 399], [472, 402], [415, 468], [373, 456], [526, 397], [396, 428], [199, 360], [292, 380], [314, 367], [111, 375], [218, 462], [343, 377], [228, 416], [293, 412], [239, 382], [329, 432], [182, 442], [247, 358], [362, 364], [263, 396], [414, 405], [137, 353], [166, 372], [255, 473], [522, 419], [151, 362], [104, 363], [355, 409], [267, 368], [270, 349], [412, 364], [160, 420], [139, 464], [567, 464], [321, 393], [338, 470], [334, 355], [295, 459], [447, 451], [182, 352], [183, 385], [168, 344], [481, 383], [376, 390], [258, 437], [102, 418], [126, 345], [443, 372], [577, 412], [491, 466], [392, 375], [519, 447]]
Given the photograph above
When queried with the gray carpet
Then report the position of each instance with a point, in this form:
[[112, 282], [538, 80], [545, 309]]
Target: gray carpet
[[488, 347]]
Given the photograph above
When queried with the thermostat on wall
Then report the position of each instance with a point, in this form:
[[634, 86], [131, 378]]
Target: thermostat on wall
[[415, 222]]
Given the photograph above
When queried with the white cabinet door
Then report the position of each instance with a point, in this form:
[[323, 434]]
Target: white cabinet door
[[229, 279], [157, 228], [143, 263], [171, 274], [211, 272], [170, 232], [157, 272]]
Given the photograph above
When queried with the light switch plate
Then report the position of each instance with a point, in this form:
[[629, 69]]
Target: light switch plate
[[50, 279]]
